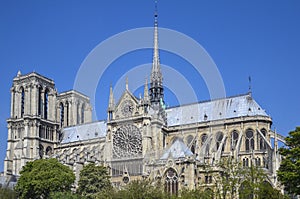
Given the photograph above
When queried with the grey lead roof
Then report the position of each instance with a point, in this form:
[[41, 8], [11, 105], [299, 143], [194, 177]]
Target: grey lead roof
[[84, 132], [231, 107], [237, 106]]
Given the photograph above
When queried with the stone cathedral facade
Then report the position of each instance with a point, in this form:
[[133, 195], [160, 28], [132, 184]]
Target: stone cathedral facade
[[140, 138]]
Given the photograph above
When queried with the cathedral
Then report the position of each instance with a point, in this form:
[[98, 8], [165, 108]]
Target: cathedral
[[141, 137]]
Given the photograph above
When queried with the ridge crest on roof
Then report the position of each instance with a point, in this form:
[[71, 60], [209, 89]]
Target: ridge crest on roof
[[211, 100]]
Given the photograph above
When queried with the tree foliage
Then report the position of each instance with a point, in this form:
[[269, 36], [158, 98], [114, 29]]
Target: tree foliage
[[196, 194], [6, 193], [41, 177], [64, 195], [254, 181], [289, 171], [136, 189], [235, 181], [93, 180], [230, 176]]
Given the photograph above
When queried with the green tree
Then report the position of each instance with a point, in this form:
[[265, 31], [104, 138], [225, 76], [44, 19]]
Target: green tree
[[289, 170], [232, 180], [93, 180], [7, 193], [64, 195], [229, 177], [253, 178], [144, 189], [196, 194], [266, 191], [255, 185], [137, 189], [41, 177]]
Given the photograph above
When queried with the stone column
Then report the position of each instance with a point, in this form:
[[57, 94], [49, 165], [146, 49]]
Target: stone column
[[26, 129], [51, 106], [75, 112], [55, 138], [70, 113], [57, 112], [34, 100], [79, 112], [88, 114]]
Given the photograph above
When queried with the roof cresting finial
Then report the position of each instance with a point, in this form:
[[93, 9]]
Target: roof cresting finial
[[126, 83], [250, 88]]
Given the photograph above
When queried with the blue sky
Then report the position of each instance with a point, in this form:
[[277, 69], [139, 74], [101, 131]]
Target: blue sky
[[256, 38]]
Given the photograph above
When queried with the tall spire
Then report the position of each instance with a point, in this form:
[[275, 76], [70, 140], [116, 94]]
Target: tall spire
[[156, 80], [156, 62]]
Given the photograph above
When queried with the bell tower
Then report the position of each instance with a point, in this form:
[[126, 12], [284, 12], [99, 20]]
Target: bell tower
[[32, 126]]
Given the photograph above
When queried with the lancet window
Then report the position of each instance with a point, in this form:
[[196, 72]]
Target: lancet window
[[171, 182], [249, 141], [234, 139], [22, 101]]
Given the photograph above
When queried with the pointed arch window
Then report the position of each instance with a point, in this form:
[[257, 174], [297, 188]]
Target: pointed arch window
[[246, 162], [266, 162], [203, 140], [40, 102], [262, 143], [219, 138], [190, 143], [46, 105], [234, 139], [67, 113], [171, 182], [62, 114], [22, 101], [40, 132], [257, 162], [48, 151], [249, 141], [82, 114]]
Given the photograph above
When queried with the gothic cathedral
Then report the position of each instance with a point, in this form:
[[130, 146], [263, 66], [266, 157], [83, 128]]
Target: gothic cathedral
[[140, 138]]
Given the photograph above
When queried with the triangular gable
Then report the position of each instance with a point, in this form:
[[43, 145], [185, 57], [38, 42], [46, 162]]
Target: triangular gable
[[127, 95], [177, 150], [127, 100]]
